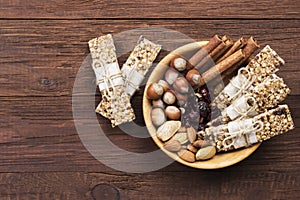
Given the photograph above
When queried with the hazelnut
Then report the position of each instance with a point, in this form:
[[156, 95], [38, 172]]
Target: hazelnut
[[193, 77], [181, 98], [158, 103], [169, 97], [171, 75], [154, 91], [164, 84], [182, 110], [181, 85], [158, 116], [178, 63], [173, 112]]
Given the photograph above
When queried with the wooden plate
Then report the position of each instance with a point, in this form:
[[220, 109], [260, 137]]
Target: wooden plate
[[218, 161]]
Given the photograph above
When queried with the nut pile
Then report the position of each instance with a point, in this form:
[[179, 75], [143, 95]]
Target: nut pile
[[179, 112]]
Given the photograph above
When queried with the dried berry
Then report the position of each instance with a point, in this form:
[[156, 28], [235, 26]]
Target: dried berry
[[205, 94], [204, 109]]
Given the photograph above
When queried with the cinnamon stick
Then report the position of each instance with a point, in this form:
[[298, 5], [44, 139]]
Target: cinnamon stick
[[197, 57], [239, 44], [248, 50], [220, 67], [210, 59], [221, 48]]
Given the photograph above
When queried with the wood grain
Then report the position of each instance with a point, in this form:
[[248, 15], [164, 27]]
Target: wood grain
[[148, 9], [49, 142], [42, 57], [42, 46], [201, 185]]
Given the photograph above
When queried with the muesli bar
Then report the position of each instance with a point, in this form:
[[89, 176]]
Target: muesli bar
[[243, 133], [265, 63], [138, 64], [267, 94], [115, 104]]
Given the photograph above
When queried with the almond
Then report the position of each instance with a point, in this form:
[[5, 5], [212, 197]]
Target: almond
[[191, 148], [172, 145], [186, 155], [201, 143], [206, 153], [182, 129], [191, 134], [167, 130], [180, 137]]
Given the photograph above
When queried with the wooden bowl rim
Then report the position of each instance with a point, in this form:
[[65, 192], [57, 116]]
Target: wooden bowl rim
[[219, 160]]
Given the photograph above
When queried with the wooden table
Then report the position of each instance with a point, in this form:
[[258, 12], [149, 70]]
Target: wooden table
[[43, 44]]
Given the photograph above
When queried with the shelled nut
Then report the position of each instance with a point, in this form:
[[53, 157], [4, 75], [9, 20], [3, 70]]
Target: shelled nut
[[172, 145], [191, 148], [158, 116], [164, 84], [206, 153], [154, 91], [193, 77], [181, 137], [171, 75], [181, 98], [169, 97], [200, 143], [158, 103], [181, 85], [167, 130], [191, 134], [172, 112], [178, 63], [186, 155]]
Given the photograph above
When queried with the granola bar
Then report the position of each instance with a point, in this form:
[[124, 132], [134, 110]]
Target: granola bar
[[265, 95], [138, 64], [265, 63], [242, 133], [115, 104]]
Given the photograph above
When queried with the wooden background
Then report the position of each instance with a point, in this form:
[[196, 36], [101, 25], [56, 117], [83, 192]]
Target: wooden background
[[42, 45]]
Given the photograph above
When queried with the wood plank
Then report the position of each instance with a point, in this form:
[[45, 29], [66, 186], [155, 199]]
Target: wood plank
[[50, 145], [148, 9], [54, 108], [186, 184], [42, 57]]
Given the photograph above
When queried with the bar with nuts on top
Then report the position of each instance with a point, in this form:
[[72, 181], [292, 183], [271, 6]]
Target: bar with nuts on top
[[242, 133], [265, 95], [115, 104], [138, 64], [265, 63]]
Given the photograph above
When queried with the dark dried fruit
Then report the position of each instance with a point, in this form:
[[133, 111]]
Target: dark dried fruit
[[205, 94], [203, 109]]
